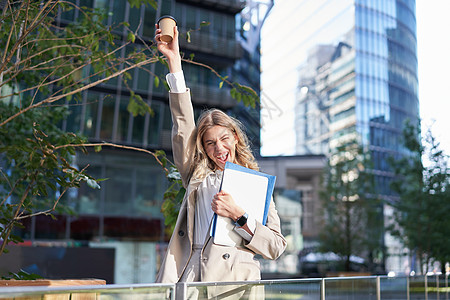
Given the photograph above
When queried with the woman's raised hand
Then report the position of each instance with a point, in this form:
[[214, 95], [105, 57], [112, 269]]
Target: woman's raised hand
[[170, 50]]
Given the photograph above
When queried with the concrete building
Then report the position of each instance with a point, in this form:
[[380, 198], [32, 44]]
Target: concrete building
[[297, 201]]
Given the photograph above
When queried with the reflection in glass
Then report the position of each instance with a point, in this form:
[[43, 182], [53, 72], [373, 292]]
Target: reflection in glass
[[123, 120], [107, 121], [154, 130], [348, 288], [88, 199], [138, 129], [150, 188], [74, 117], [90, 118], [118, 190], [149, 21]]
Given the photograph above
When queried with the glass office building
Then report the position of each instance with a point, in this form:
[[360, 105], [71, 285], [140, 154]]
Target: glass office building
[[356, 66], [363, 87], [126, 211]]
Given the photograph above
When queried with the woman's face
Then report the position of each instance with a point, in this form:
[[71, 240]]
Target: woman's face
[[220, 145]]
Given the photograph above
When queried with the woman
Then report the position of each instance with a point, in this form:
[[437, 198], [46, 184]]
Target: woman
[[200, 153]]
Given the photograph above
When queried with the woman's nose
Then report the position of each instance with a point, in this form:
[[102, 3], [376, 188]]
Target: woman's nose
[[219, 145]]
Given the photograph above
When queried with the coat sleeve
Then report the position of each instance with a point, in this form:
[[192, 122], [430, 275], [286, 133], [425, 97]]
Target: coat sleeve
[[183, 133], [267, 239]]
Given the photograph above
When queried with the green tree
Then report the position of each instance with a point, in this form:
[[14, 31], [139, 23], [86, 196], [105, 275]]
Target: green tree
[[44, 68], [420, 218], [351, 210]]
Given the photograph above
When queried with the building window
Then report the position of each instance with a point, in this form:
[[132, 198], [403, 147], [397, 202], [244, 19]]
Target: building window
[[107, 120]]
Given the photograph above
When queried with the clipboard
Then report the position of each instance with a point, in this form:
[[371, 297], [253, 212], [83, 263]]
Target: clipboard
[[251, 190]]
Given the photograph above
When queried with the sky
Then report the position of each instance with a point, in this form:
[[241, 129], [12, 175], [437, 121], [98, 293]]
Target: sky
[[433, 46]]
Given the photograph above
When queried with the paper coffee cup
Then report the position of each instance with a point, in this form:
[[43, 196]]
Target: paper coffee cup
[[166, 24]]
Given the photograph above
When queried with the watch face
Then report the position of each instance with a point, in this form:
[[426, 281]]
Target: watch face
[[242, 220]]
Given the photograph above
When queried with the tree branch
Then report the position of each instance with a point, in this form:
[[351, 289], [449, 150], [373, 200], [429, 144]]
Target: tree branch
[[88, 86], [9, 227], [116, 146], [48, 211], [26, 32]]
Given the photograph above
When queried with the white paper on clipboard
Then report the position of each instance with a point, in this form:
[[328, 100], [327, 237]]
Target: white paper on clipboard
[[250, 190]]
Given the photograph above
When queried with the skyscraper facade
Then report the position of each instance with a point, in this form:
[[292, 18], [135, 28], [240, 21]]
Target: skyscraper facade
[[356, 76], [363, 86]]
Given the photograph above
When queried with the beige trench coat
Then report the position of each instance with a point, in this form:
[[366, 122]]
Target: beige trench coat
[[218, 263]]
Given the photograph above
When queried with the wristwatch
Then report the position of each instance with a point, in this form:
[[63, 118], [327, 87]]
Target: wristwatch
[[242, 220]]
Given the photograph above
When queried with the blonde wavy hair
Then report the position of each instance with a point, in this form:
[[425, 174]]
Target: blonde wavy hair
[[208, 119]]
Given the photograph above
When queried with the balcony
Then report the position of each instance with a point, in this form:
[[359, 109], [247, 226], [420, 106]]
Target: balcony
[[211, 96], [214, 45], [229, 6]]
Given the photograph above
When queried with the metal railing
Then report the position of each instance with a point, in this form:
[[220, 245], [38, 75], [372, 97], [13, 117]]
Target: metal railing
[[367, 287]]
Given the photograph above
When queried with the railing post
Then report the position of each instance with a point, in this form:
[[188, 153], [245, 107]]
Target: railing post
[[407, 287], [322, 289], [437, 286], [180, 291], [446, 285], [378, 288], [426, 287]]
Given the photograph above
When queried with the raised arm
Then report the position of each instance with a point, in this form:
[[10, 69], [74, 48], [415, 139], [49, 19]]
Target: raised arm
[[183, 129]]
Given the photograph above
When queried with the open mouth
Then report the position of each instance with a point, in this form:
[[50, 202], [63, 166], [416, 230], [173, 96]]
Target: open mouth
[[223, 158]]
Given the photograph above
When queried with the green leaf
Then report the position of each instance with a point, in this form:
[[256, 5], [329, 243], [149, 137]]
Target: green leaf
[[138, 3], [127, 76], [180, 195], [173, 174], [188, 36], [98, 148], [92, 184], [71, 150], [153, 4], [160, 153], [137, 106], [247, 89], [233, 93], [204, 23], [156, 81], [15, 238], [238, 96], [131, 37], [220, 84], [51, 185], [134, 3], [162, 61], [166, 85], [22, 275], [246, 99]]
